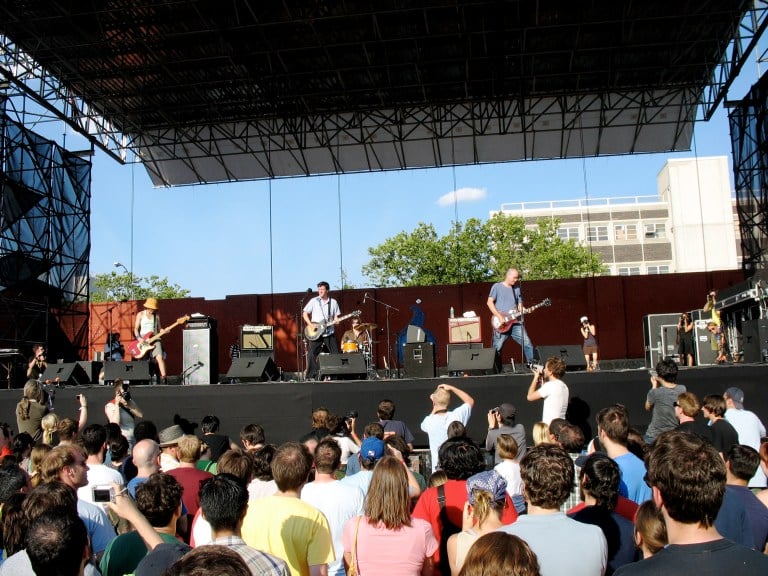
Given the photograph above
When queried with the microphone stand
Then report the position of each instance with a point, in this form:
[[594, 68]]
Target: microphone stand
[[523, 331], [387, 308], [300, 367]]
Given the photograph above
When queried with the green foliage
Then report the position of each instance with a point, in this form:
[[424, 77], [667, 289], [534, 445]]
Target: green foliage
[[113, 287], [478, 252]]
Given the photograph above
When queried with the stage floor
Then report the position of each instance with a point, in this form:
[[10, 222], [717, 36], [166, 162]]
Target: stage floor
[[284, 408]]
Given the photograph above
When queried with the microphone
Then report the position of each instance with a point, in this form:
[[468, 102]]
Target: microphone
[[365, 297]]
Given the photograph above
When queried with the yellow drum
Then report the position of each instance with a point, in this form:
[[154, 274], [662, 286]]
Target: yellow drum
[[350, 347]]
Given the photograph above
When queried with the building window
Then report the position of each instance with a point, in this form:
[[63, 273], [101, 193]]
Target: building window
[[629, 270], [568, 233], [655, 231], [625, 232], [662, 269], [597, 233]]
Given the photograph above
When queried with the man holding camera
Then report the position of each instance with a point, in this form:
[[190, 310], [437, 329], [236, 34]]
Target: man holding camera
[[548, 386], [501, 420], [123, 411]]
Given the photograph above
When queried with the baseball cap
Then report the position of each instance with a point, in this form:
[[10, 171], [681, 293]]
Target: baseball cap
[[161, 558], [737, 395], [507, 410], [372, 449]]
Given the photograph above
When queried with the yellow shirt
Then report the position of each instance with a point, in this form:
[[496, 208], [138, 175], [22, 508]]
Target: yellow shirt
[[290, 529]]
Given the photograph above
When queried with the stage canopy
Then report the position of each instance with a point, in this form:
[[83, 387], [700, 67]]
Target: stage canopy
[[226, 90]]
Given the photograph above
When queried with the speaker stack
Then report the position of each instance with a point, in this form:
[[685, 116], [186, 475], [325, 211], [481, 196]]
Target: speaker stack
[[200, 351], [571, 354]]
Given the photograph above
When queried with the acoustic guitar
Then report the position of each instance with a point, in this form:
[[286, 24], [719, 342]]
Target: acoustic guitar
[[315, 330], [512, 317], [139, 348]]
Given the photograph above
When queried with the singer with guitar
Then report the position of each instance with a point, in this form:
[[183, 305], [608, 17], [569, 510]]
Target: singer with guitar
[[506, 300], [148, 323], [321, 313]]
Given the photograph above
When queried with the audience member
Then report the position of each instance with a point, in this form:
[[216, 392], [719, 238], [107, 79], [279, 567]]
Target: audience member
[[169, 447], [541, 433], [435, 424], [337, 500], [262, 483], [509, 469], [57, 544], [187, 473], [740, 464], [763, 494], [688, 480], [68, 432], [36, 457], [159, 500], [687, 408], [748, 427], [443, 506], [319, 425], [146, 458], [571, 439], [386, 539], [486, 496], [599, 481], [372, 430], [650, 530], [613, 430], [217, 443], [209, 560], [294, 530], [501, 420], [252, 437], [13, 527], [386, 413], [31, 409], [340, 434], [397, 442], [456, 429], [50, 429], [547, 384], [94, 440], [224, 500], [500, 554], [13, 480], [724, 435], [581, 549], [661, 398], [122, 410]]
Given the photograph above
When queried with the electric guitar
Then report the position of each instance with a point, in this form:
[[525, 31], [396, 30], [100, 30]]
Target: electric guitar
[[139, 348], [511, 317], [315, 330]]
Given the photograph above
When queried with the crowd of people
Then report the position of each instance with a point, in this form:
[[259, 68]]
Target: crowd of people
[[115, 494]]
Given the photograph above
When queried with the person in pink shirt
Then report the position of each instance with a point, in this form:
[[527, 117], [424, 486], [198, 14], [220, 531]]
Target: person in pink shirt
[[386, 540]]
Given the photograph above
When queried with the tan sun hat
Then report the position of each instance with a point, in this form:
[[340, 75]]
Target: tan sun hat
[[151, 303]]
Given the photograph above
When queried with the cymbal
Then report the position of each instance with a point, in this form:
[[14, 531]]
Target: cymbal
[[364, 327]]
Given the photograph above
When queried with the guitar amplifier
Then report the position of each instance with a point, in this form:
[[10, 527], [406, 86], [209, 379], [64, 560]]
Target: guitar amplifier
[[256, 337]]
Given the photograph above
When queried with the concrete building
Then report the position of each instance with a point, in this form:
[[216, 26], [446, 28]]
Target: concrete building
[[690, 226]]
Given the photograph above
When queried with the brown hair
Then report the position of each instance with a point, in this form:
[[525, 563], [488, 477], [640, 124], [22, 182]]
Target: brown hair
[[237, 463], [689, 404], [320, 418], [327, 456], [614, 421], [291, 466], [32, 391], [58, 459], [690, 476], [36, 457], [47, 497], [649, 524], [67, 429], [500, 554], [556, 366], [388, 501], [385, 410], [547, 473], [207, 560], [715, 404], [506, 447]]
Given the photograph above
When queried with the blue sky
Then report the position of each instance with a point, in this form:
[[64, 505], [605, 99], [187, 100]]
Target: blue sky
[[215, 239]]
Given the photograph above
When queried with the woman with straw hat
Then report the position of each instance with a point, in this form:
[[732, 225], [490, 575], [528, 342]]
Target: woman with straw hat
[[148, 323]]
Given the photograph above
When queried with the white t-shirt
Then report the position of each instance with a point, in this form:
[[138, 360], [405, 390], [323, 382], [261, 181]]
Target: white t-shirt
[[348, 447], [339, 502], [261, 488], [436, 427], [99, 475], [750, 430], [555, 394], [510, 471]]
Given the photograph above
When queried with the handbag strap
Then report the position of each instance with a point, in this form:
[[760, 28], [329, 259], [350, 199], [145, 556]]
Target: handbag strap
[[354, 547]]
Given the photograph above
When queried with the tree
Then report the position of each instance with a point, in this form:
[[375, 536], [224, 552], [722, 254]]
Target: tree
[[113, 287], [479, 251]]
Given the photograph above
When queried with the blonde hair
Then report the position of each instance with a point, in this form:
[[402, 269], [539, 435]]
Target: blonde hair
[[36, 457], [190, 448], [485, 504], [438, 478], [540, 433], [50, 425], [441, 397], [506, 447], [649, 524]]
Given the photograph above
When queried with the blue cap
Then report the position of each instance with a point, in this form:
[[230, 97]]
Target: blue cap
[[372, 449]]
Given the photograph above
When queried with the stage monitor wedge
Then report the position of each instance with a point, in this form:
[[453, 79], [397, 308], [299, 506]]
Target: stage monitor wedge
[[473, 360], [258, 369], [65, 373], [342, 366], [571, 354], [137, 371]]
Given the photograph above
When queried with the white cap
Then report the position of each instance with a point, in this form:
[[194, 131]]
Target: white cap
[[583, 319]]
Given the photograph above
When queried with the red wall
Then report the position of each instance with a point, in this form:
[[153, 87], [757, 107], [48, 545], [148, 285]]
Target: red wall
[[616, 304]]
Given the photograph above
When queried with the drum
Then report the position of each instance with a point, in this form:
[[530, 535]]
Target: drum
[[350, 347]]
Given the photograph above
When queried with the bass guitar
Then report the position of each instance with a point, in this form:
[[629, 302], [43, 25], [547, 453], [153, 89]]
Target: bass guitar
[[139, 348], [315, 330], [512, 317]]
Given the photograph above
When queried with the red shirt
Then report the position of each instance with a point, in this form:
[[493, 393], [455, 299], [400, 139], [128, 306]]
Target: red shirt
[[427, 508], [190, 479], [624, 507]]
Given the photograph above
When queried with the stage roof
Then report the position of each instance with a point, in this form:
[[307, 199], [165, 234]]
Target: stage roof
[[210, 91]]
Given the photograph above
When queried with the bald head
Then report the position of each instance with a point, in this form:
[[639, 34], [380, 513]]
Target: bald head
[[145, 455]]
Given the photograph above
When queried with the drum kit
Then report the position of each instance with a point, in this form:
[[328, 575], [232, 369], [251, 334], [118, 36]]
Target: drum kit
[[364, 348]]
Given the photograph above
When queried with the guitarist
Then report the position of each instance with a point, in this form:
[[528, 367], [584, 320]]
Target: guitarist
[[148, 323], [321, 308], [505, 296]]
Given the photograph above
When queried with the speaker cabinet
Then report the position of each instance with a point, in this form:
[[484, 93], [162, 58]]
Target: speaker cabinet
[[201, 360], [91, 369], [754, 338], [66, 373], [571, 354], [657, 337], [451, 348], [704, 344], [481, 361], [342, 366], [253, 370], [464, 330], [419, 360], [135, 372]]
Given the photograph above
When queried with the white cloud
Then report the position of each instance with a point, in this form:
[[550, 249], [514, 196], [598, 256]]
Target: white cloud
[[462, 195]]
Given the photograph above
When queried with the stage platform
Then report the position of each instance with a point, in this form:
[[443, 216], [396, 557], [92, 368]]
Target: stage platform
[[284, 408]]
